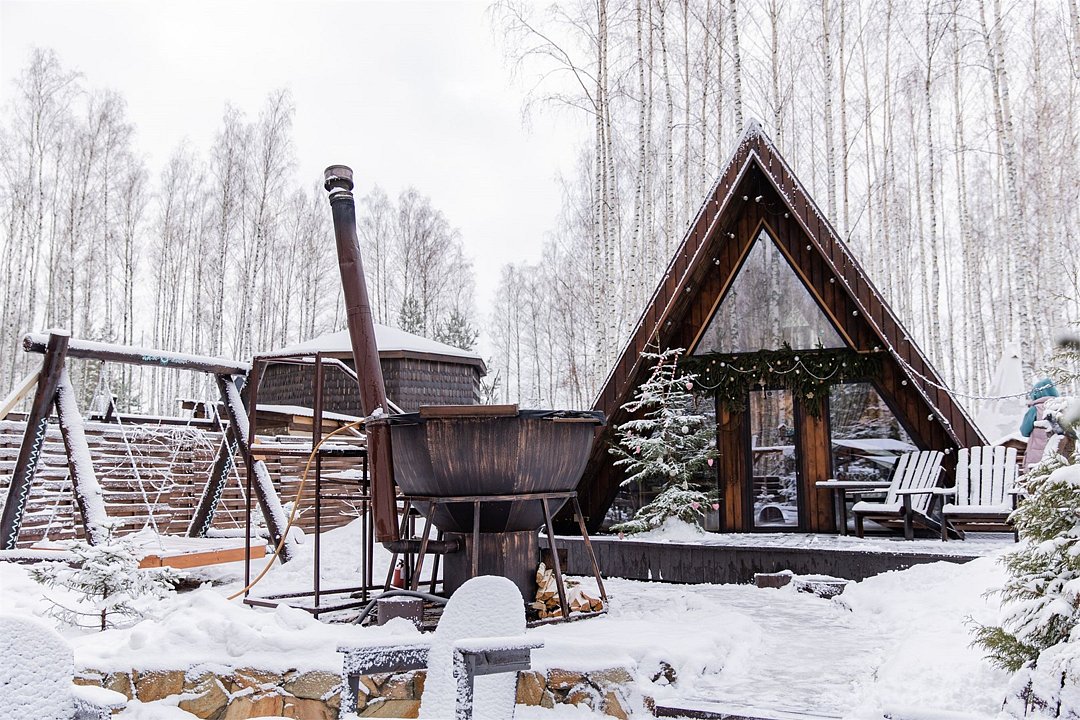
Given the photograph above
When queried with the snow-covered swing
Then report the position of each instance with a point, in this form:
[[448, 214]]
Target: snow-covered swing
[[54, 389]]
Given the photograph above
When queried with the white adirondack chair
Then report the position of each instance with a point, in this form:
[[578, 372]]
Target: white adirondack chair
[[36, 676], [985, 478], [481, 632], [910, 494]]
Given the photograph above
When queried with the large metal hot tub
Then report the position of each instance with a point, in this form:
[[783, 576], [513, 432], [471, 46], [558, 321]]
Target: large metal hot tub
[[495, 453]]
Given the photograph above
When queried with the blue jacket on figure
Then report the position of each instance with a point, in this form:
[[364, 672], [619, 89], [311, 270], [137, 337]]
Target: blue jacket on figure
[[1042, 390]]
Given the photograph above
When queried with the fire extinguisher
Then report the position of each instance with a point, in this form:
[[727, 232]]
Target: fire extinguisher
[[398, 581]]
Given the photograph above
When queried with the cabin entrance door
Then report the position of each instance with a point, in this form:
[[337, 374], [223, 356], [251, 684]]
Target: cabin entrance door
[[774, 493]]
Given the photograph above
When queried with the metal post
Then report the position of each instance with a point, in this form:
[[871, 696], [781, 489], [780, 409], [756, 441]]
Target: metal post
[[368, 537], [420, 556], [401, 533], [475, 539], [435, 566], [37, 424], [316, 438]]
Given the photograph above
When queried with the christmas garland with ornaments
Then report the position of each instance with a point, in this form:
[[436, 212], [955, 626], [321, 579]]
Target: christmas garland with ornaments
[[808, 374]]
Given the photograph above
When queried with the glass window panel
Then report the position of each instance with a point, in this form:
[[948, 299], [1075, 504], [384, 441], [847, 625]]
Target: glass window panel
[[766, 306], [774, 485], [866, 436]]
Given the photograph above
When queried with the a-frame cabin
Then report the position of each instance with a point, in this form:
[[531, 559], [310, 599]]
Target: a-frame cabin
[[761, 277]]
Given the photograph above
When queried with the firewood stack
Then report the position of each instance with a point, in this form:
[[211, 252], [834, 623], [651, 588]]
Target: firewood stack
[[547, 596]]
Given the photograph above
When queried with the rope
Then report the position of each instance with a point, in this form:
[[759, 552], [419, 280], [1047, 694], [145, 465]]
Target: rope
[[52, 515], [292, 512], [955, 393], [151, 519]]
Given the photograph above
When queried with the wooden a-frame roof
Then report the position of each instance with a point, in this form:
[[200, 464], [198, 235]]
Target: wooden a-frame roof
[[758, 191]]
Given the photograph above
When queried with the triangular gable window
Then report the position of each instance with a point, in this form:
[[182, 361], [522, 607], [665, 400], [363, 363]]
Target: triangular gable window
[[766, 306]]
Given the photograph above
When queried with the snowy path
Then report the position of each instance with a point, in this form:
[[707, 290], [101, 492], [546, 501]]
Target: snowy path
[[810, 656]]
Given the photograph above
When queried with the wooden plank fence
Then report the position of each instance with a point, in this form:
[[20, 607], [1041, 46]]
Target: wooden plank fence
[[151, 472]]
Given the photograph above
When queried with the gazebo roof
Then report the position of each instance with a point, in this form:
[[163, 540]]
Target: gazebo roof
[[391, 341]]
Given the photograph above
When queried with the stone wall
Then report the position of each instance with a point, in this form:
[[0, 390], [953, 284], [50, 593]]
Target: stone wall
[[249, 692]]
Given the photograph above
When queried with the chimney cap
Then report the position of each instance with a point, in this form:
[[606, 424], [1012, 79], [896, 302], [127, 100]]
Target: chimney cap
[[338, 177]]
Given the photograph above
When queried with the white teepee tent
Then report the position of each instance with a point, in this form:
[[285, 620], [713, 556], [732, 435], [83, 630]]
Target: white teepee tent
[[999, 419]]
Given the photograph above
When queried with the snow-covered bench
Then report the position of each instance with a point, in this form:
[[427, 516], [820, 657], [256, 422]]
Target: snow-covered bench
[[36, 676], [481, 633], [983, 495]]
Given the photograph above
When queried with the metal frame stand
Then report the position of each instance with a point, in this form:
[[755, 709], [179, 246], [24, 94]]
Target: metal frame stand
[[322, 599], [544, 498]]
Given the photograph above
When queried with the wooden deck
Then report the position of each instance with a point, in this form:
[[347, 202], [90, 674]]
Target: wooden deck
[[735, 557]]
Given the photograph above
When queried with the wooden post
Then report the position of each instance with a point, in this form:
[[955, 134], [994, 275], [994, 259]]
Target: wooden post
[[258, 475], [37, 423], [219, 473], [84, 481], [556, 565]]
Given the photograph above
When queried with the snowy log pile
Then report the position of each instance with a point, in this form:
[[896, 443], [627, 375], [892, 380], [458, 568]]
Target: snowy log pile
[[547, 596]]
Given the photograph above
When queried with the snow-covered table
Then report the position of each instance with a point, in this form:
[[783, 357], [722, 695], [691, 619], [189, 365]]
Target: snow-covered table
[[840, 490]]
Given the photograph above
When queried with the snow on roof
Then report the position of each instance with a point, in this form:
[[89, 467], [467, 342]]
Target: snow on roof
[[307, 412], [388, 339]]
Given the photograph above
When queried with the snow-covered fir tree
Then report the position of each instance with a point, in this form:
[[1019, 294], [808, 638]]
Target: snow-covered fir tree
[[1038, 636], [669, 442], [107, 581]]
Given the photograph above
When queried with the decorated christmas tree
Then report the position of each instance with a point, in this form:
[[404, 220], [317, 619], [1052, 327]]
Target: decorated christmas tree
[[669, 443]]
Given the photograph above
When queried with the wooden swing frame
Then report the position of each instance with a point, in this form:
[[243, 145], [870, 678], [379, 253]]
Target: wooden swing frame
[[53, 383]]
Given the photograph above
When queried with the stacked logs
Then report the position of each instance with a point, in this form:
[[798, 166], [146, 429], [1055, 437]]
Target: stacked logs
[[547, 596]]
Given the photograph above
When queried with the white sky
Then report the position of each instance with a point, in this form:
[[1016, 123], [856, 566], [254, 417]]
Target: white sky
[[407, 93]]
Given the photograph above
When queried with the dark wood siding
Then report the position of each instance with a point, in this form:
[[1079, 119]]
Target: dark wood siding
[[410, 383]]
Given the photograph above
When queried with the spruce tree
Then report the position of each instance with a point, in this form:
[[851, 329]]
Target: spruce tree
[[107, 578], [669, 442], [1042, 593]]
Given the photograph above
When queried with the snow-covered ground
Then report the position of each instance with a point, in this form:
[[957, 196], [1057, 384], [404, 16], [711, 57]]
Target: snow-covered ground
[[891, 642]]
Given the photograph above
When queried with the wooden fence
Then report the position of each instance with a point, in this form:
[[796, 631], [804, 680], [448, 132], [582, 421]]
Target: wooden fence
[[154, 475]]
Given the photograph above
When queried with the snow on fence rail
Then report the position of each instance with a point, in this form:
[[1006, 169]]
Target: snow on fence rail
[[173, 464]]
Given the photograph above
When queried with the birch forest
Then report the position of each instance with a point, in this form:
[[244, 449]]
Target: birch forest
[[939, 137], [216, 255]]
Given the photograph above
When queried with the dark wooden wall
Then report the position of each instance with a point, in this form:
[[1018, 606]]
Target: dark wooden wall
[[756, 192], [410, 383]]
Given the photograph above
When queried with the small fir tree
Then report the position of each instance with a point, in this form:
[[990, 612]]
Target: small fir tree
[[457, 331], [411, 316], [1036, 638], [1043, 601], [107, 578], [669, 442]]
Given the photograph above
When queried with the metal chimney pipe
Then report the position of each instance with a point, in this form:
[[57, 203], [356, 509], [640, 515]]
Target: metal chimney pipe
[[339, 183]]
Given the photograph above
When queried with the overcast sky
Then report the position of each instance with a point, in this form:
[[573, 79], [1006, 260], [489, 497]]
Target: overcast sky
[[407, 93]]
